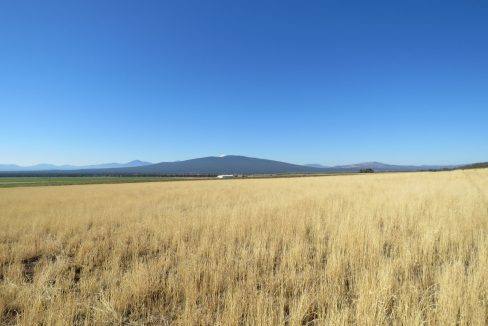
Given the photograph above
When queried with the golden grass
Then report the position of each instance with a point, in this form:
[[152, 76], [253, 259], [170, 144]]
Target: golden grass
[[407, 248]]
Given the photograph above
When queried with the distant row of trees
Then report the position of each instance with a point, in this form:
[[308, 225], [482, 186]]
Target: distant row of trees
[[366, 171]]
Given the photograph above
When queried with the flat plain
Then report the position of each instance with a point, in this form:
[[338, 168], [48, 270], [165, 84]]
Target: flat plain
[[10, 182], [402, 248]]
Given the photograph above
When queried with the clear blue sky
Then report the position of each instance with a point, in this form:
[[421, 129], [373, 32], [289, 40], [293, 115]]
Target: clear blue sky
[[300, 81]]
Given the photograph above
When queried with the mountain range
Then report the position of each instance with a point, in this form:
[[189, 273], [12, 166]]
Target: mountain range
[[378, 166], [48, 167], [211, 165]]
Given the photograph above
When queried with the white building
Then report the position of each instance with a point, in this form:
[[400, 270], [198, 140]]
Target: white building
[[225, 176]]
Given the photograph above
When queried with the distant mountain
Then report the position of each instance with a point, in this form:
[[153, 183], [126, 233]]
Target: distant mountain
[[211, 165], [229, 164], [320, 166], [37, 167], [475, 165], [50, 167], [9, 167], [380, 167], [367, 165], [135, 163]]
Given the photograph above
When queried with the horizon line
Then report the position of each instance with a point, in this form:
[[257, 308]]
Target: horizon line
[[24, 165]]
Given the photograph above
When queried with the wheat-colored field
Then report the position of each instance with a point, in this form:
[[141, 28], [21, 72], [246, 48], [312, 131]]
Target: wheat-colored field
[[404, 248]]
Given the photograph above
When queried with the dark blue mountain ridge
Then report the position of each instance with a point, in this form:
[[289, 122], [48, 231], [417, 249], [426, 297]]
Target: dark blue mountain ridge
[[229, 164]]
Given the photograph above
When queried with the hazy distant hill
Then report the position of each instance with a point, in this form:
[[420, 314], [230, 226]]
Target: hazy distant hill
[[212, 165], [320, 166], [49, 167], [378, 166], [475, 165], [135, 163], [381, 167], [37, 167]]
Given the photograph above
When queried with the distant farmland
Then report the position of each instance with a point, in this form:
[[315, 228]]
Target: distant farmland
[[8, 182], [392, 248], [35, 181]]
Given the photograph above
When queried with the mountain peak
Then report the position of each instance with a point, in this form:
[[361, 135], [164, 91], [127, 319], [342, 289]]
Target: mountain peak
[[138, 162], [316, 165]]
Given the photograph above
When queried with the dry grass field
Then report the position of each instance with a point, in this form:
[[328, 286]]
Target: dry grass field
[[402, 248]]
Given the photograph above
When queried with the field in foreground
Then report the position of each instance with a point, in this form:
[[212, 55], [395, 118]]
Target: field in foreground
[[406, 248]]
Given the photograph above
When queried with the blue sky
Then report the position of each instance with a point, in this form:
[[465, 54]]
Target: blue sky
[[327, 82]]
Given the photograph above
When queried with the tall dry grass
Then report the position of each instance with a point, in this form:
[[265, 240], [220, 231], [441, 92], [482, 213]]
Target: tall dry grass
[[408, 248]]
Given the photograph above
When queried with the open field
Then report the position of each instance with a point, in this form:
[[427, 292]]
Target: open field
[[9, 182], [403, 248]]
